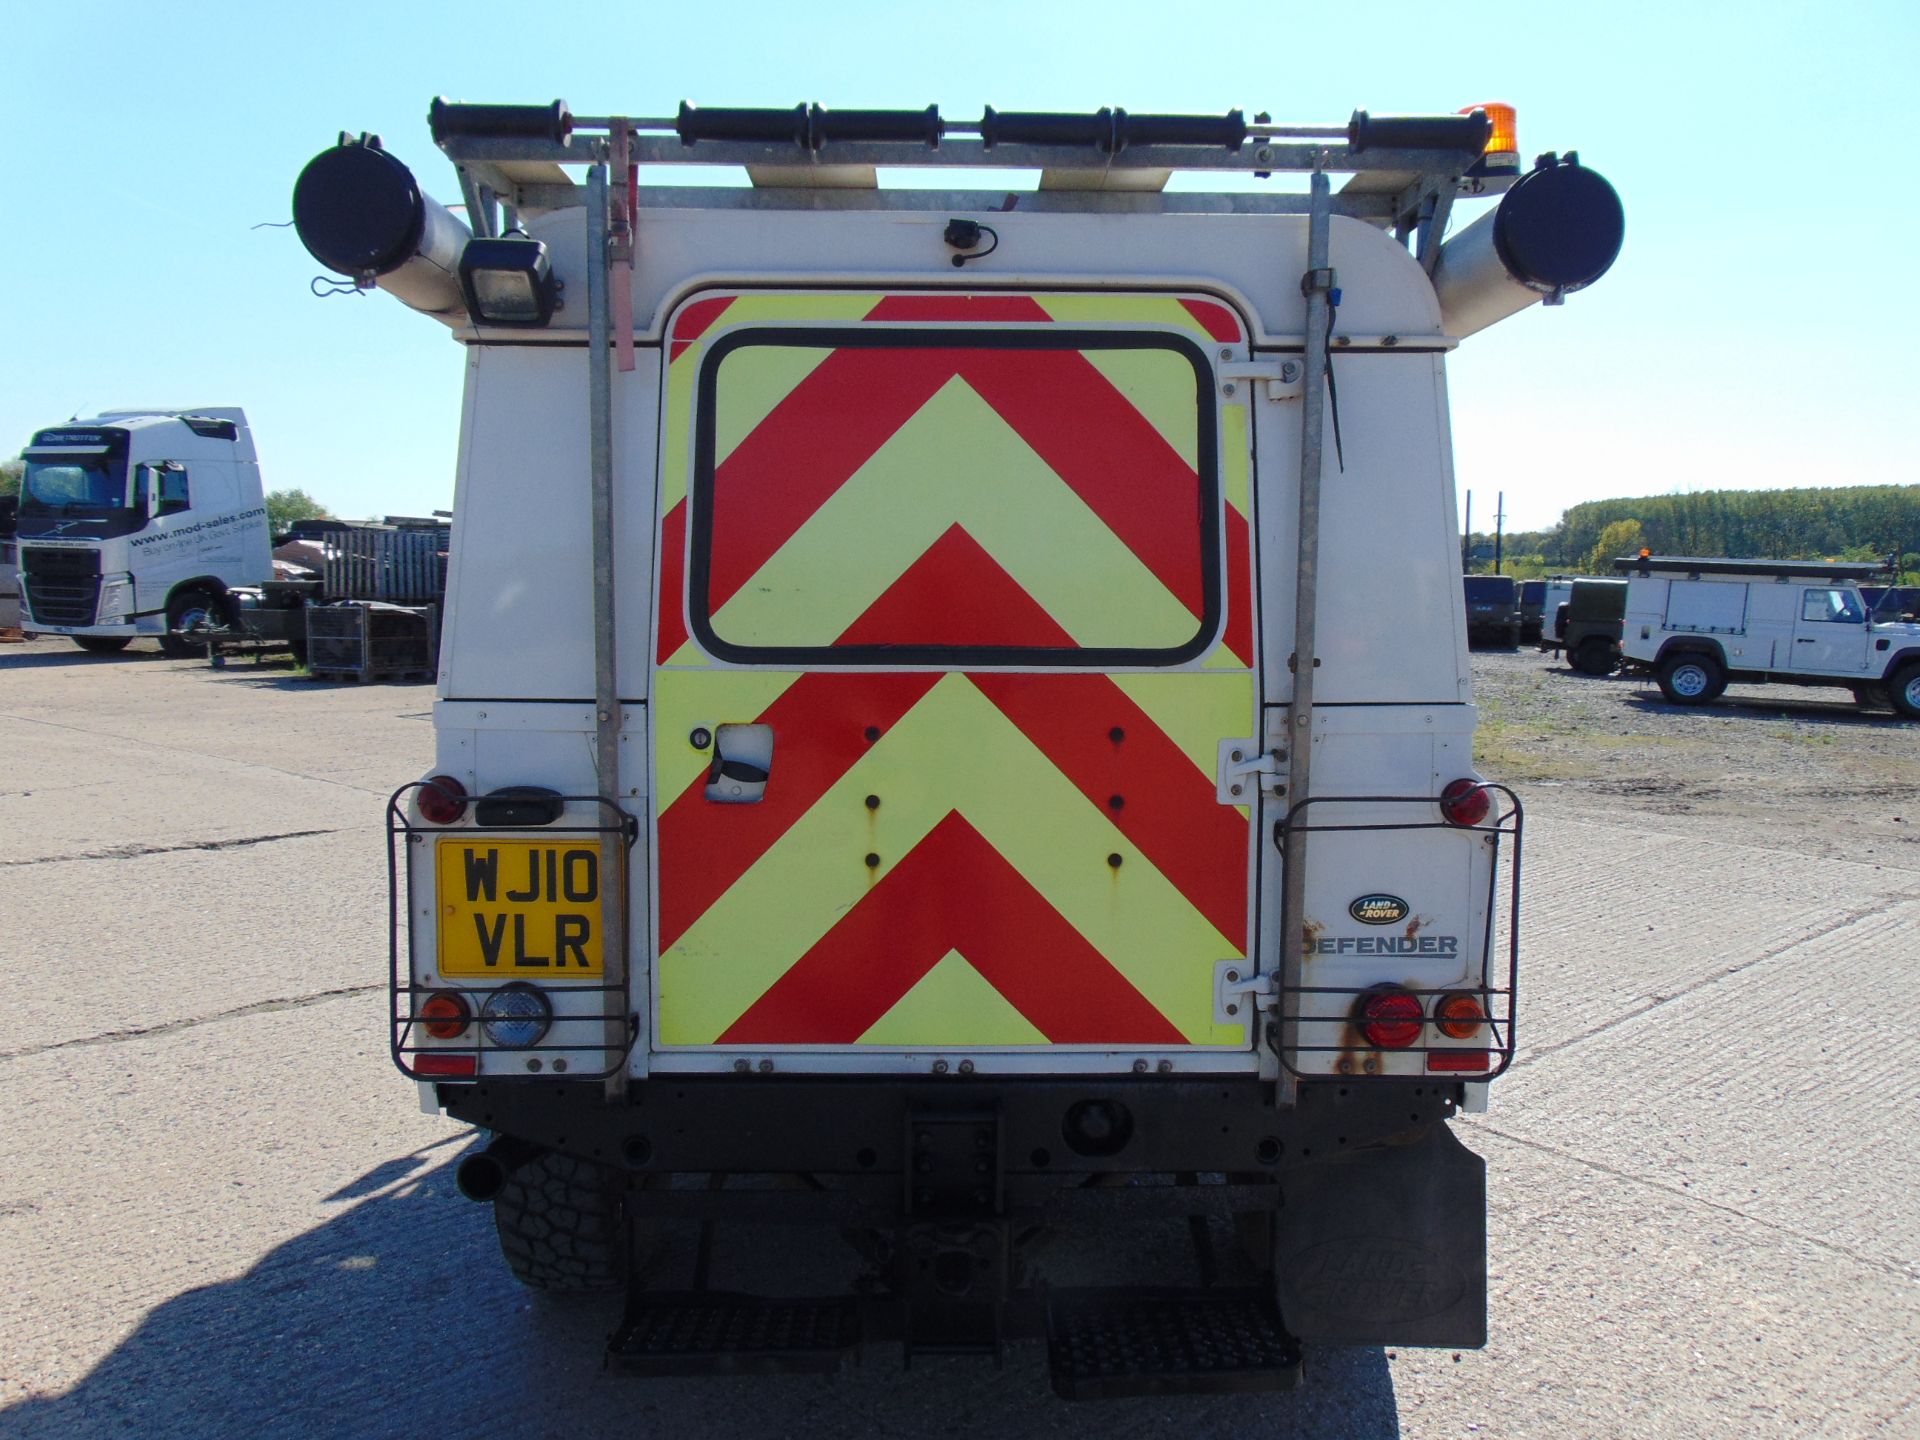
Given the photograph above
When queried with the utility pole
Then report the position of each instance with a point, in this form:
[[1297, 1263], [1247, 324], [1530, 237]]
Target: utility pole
[[1466, 538], [1499, 516]]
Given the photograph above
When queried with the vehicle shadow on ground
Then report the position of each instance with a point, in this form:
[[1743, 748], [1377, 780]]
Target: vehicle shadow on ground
[[285, 676], [1756, 707], [397, 1318], [52, 659]]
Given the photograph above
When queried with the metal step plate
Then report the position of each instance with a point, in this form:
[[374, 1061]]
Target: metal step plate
[[718, 1334], [1105, 1344]]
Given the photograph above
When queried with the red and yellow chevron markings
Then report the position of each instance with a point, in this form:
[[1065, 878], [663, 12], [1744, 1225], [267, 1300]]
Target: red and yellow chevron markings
[[945, 858], [928, 906], [1030, 785], [826, 442]]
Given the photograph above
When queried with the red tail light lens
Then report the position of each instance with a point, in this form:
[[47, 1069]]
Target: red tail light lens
[[445, 1015], [443, 800], [1390, 1018], [1464, 1062], [1464, 803], [1459, 1016], [439, 1063]]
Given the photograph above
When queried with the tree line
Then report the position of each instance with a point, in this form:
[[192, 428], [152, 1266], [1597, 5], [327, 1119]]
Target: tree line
[[1847, 522]]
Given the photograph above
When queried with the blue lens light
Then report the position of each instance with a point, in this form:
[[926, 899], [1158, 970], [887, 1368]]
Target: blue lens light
[[516, 1017]]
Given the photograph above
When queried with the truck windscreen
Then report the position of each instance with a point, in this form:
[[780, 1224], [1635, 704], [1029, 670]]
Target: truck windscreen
[[74, 485]]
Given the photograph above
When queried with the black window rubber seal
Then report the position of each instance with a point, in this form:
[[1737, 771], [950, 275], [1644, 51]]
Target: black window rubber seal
[[956, 657]]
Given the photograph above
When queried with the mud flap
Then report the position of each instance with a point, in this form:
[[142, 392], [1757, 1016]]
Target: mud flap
[[1388, 1246]]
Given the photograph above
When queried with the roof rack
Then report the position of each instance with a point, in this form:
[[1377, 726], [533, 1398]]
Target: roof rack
[[1405, 169], [1773, 569]]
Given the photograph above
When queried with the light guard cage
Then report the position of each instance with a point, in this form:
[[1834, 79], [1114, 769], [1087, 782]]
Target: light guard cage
[[1405, 174]]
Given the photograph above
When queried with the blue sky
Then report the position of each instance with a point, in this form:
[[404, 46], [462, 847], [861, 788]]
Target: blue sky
[[1755, 331]]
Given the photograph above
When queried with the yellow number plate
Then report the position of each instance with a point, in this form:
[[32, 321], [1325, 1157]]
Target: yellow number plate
[[520, 909]]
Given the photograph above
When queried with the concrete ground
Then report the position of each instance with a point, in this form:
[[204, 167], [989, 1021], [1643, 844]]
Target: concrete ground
[[221, 1213]]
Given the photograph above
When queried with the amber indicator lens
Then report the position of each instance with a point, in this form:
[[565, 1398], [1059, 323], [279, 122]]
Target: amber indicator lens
[[445, 1015], [1459, 1016]]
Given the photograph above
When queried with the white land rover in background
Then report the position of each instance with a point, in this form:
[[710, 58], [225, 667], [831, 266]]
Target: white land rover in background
[[1698, 624], [138, 522]]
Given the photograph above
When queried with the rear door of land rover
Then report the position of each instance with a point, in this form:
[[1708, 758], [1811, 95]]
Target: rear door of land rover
[[954, 610]]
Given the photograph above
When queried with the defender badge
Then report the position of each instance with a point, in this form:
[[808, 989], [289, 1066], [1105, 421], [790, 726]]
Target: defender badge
[[1379, 909]]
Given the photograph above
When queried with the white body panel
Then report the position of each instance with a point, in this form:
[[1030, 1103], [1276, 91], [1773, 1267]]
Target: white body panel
[[1393, 686], [1255, 261], [1559, 592]]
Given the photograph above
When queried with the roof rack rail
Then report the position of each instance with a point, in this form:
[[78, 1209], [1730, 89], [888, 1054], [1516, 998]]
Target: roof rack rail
[[1772, 569], [1406, 169]]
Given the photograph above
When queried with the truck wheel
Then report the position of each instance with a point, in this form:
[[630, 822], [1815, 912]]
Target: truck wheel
[[560, 1225], [1593, 656], [187, 610], [103, 644], [1691, 678], [1904, 691]]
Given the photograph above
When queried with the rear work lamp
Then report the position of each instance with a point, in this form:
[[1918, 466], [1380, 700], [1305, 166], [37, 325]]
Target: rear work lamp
[[508, 280]]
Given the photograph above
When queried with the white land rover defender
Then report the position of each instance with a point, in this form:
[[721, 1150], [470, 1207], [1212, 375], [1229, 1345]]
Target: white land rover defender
[[1698, 624], [917, 754]]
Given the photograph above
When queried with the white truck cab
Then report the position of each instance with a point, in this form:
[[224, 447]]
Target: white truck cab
[[1699, 624], [138, 523], [914, 730]]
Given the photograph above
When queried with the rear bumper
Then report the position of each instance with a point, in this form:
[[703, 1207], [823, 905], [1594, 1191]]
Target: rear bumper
[[861, 1128], [1374, 1213]]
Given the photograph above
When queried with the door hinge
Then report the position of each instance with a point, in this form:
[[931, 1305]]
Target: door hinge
[[1246, 771], [1284, 379], [1239, 993]]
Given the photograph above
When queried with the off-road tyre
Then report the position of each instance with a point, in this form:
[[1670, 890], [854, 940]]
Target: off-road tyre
[[1593, 656], [1904, 691], [560, 1226], [103, 644], [1871, 697], [182, 611], [1691, 678]]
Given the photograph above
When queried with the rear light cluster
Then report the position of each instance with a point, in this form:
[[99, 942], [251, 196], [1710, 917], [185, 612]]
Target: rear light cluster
[[1391, 1017], [442, 800], [514, 1017], [445, 1015], [1464, 803]]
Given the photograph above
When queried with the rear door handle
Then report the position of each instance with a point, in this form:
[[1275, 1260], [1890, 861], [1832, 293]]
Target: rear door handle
[[742, 764], [1803, 642]]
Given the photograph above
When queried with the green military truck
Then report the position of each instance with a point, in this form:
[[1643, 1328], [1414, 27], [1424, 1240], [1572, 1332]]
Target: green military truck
[[1493, 610]]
